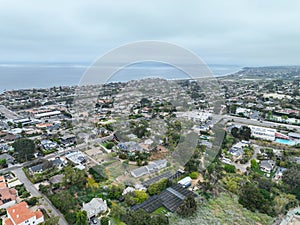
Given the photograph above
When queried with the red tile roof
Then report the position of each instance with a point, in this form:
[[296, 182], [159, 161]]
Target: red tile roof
[[8, 221], [38, 214], [7, 194], [20, 213]]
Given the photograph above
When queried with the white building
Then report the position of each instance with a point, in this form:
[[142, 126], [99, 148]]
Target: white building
[[150, 168], [95, 207], [20, 214], [263, 133], [185, 182]]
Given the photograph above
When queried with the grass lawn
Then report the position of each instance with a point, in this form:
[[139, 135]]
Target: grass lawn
[[116, 168], [161, 210], [223, 210]]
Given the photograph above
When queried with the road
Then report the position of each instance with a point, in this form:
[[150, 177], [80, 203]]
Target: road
[[36, 193], [289, 216], [258, 123]]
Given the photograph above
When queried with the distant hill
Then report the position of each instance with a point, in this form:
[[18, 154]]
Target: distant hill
[[274, 72]]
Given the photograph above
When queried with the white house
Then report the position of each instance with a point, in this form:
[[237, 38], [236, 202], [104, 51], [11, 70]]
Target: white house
[[267, 166], [20, 214], [95, 207], [185, 182]]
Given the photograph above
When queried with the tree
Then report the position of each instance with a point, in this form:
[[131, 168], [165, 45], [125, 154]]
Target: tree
[[140, 196], [104, 221], [3, 163], [24, 149], [98, 173], [32, 201], [229, 168], [115, 192], [254, 164], [254, 198], [194, 175], [235, 132], [139, 217], [73, 176], [109, 145], [188, 207], [159, 219], [116, 211], [63, 200], [158, 187], [81, 218], [245, 133], [292, 178]]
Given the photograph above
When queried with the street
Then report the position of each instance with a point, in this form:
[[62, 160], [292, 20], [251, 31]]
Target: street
[[36, 193]]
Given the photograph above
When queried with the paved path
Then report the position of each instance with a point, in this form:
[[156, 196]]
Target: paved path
[[36, 193], [289, 216]]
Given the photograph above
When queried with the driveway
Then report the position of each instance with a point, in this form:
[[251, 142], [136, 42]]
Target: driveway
[[243, 167]]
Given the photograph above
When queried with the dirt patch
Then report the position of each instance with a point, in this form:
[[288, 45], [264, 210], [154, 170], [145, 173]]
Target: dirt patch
[[160, 152]]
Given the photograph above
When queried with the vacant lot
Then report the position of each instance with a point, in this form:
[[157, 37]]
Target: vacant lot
[[223, 210]]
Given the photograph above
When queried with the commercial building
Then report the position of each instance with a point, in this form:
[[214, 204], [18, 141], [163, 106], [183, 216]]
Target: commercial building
[[263, 133]]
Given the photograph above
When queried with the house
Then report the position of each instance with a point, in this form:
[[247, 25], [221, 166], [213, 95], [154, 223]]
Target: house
[[267, 166], [4, 147], [20, 214], [130, 146], [2, 182], [8, 197], [185, 182], [47, 144], [150, 168], [57, 162], [36, 169], [128, 190], [279, 173], [68, 139], [9, 159], [95, 207], [56, 179], [76, 157]]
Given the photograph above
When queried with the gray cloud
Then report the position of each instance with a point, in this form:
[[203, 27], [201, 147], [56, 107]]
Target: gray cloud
[[234, 31]]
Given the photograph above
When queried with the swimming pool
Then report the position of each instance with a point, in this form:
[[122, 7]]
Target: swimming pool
[[285, 142]]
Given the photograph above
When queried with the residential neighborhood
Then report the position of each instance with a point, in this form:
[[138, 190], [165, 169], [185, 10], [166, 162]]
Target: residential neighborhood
[[155, 154]]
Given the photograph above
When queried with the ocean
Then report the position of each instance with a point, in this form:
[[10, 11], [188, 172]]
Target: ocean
[[24, 76]]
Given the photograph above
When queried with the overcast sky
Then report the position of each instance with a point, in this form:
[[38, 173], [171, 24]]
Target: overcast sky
[[238, 32]]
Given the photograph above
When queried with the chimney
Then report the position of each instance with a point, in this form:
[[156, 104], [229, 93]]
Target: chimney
[[18, 216], [13, 210]]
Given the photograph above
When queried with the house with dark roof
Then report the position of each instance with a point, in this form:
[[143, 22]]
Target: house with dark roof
[[36, 169]]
